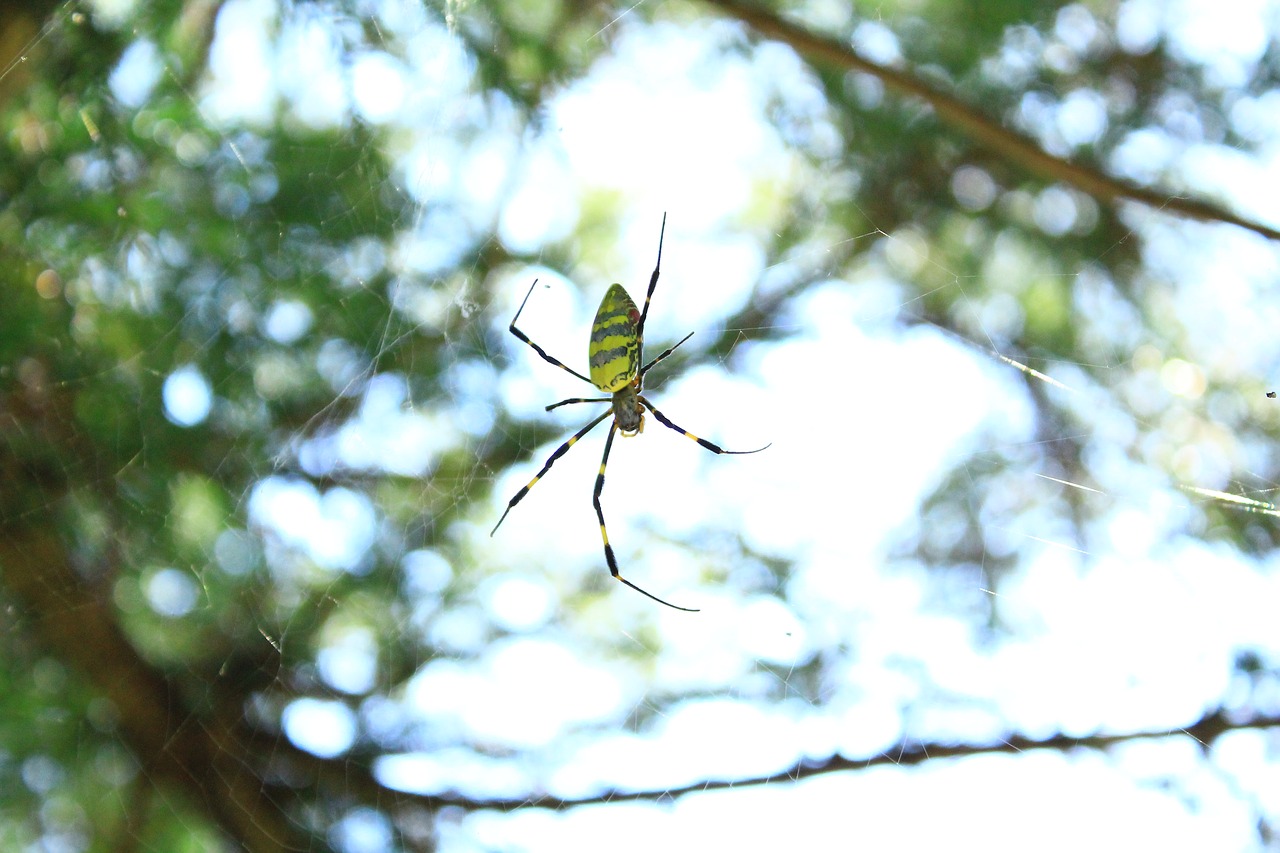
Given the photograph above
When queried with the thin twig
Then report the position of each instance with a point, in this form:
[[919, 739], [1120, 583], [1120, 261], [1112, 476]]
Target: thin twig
[[1204, 732], [985, 131]]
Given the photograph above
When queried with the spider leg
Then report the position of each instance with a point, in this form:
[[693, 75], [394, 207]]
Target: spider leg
[[539, 350], [604, 534], [714, 448], [664, 354], [560, 451], [653, 283], [580, 400]]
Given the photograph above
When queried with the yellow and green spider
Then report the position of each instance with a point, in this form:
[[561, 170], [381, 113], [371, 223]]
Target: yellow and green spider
[[615, 355]]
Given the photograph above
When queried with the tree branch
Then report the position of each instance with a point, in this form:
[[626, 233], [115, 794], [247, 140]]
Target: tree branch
[[1204, 731], [985, 131]]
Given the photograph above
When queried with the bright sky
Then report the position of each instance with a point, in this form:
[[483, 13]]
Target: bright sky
[[863, 418]]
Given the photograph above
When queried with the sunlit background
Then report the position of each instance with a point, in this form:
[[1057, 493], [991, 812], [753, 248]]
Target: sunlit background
[[913, 561]]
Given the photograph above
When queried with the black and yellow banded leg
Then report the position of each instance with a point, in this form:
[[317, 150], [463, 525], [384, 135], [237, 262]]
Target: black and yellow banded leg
[[539, 350], [572, 400], [714, 448], [604, 533], [664, 354], [653, 283], [559, 451]]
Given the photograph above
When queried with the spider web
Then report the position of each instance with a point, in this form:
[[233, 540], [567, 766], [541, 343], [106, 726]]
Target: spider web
[[953, 540]]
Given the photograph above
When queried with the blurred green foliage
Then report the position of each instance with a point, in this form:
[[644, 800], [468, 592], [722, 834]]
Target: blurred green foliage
[[137, 241]]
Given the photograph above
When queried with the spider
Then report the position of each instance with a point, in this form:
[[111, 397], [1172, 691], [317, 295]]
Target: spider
[[616, 353]]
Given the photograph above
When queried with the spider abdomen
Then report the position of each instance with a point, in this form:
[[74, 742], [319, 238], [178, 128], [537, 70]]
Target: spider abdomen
[[614, 354]]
